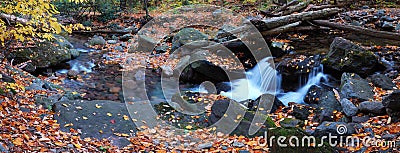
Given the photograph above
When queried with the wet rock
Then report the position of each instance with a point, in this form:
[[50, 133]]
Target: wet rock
[[278, 49], [334, 128], [345, 56], [353, 86], [322, 97], [97, 40], [74, 53], [185, 36], [6, 78], [382, 81], [72, 74], [96, 118], [300, 66], [348, 107], [372, 107], [126, 37], [111, 41], [387, 26]]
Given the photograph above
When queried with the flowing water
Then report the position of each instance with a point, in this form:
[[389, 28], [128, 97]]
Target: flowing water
[[83, 63], [265, 79]]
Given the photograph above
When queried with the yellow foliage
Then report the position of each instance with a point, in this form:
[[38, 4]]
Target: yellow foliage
[[39, 20]]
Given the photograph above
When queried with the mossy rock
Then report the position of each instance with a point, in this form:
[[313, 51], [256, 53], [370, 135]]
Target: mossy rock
[[45, 54], [345, 56]]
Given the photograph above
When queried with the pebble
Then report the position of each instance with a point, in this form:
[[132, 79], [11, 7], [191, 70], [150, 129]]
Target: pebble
[[205, 146], [238, 144], [111, 41]]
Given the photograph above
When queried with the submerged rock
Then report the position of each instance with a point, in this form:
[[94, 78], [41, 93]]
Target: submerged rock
[[353, 86], [345, 56]]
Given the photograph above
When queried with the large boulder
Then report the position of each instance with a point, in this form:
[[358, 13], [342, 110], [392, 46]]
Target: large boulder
[[322, 97], [345, 56], [200, 70], [372, 107], [98, 119], [185, 36], [392, 105], [355, 87], [382, 81], [45, 54], [220, 107], [97, 40]]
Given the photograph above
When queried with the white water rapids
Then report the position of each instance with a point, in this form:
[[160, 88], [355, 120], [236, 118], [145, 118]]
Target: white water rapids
[[265, 79]]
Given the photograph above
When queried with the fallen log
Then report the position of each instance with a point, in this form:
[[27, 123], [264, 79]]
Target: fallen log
[[313, 7], [295, 8], [270, 23], [291, 27], [358, 29], [103, 31], [284, 7], [13, 18]]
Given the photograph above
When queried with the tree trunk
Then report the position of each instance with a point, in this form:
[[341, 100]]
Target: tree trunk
[[270, 23], [358, 29]]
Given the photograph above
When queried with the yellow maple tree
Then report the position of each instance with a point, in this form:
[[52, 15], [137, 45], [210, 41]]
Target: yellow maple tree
[[22, 20]]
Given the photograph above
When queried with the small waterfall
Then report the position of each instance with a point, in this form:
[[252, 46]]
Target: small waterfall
[[259, 80], [265, 79], [81, 64], [314, 78]]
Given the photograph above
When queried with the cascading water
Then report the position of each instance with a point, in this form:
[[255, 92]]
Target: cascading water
[[81, 64], [264, 79], [314, 78], [259, 80]]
